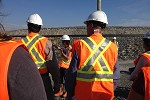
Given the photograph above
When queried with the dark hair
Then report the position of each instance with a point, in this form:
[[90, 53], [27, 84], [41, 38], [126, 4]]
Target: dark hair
[[146, 42], [34, 28], [97, 24]]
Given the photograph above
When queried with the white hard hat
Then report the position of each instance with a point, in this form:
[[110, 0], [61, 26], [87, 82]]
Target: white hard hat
[[114, 38], [99, 16], [147, 35], [65, 37], [35, 19]]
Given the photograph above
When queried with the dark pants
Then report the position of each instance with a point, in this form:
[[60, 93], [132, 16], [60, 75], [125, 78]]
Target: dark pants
[[48, 86], [116, 83], [62, 75]]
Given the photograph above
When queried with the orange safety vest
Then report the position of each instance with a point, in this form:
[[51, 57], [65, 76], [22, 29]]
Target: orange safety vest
[[6, 50], [36, 46], [146, 72], [94, 79], [63, 62], [146, 54]]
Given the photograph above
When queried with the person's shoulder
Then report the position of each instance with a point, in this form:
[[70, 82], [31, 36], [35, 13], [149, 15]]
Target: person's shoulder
[[113, 47], [144, 58], [21, 51], [75, 42], [49, 42], [113, 44]]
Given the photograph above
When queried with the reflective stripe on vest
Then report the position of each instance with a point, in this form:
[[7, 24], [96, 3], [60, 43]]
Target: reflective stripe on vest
[[96, 56], [146, 53], [65, 61], [30, 43]]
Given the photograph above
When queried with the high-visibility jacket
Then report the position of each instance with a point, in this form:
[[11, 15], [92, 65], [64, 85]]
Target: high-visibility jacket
[[146, 72], [6, 50], [63, 62], [94, 79], [146, 54], [36, 46]]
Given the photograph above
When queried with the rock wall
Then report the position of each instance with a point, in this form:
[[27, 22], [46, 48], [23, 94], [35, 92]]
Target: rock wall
[[129, 38], [81, 30]]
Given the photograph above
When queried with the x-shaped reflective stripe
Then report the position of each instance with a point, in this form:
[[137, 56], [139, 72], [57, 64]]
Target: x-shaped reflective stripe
[[30, 43], [96, 54]]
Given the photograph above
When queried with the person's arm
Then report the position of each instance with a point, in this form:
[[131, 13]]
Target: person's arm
[[48, 50], [134, 95], [54, 71], [71, 76], [24, 80], [137, 91], [116, 71], [141, 62], [52, 65], [116, 75]]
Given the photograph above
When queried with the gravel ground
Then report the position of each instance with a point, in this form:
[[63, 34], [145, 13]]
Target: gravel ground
[[121, 92]]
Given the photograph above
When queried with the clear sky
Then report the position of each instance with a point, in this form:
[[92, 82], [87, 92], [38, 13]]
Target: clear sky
[[65, 13]]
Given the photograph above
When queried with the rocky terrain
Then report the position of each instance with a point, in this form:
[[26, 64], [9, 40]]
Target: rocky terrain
[[81, 30]]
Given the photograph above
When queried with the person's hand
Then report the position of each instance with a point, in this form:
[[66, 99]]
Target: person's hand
[[59, 93], [59, 48]]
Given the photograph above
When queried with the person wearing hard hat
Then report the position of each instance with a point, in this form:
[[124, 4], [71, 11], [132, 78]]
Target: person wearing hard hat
[[64, 59], [43, 55], [90, 74], [19, 78], [117, 74], [140, 89], [115, 41]]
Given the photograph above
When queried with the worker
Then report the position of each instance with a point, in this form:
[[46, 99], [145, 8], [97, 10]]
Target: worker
[[64, 59], [141, 74], [19, 78], [90, 74], [115, 41], [42, 53], [117, 74]]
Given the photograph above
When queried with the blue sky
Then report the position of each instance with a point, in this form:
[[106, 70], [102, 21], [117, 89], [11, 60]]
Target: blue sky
[[65, 13]]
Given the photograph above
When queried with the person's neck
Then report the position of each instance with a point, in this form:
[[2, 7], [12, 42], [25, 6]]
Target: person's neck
[[32, 33], [96, 31]]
